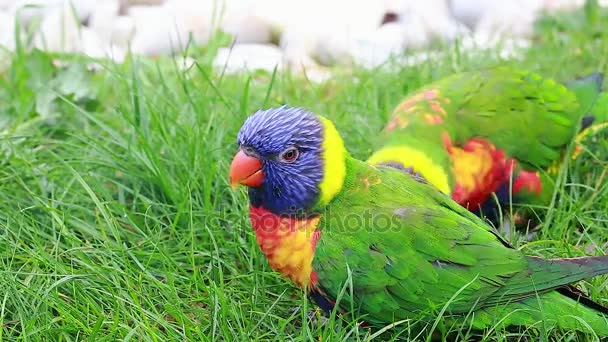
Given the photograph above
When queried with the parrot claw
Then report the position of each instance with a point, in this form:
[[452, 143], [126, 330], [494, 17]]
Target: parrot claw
[[509, 230], [315, 317]]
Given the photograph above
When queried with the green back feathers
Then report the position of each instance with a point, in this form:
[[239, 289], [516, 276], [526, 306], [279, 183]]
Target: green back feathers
[[409, 249], [530, 117]]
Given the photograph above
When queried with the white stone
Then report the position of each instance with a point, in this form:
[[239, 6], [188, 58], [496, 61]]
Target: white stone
[[469, 12], [129, 3], [7, 31], [30, 10], [327, 31], [161, 30], [509, 19], [263, 21], [59, 31], [553, 5], [299, 45], [425, 21], [250, 57], [6, 4], [112, 28], [156, 31], [514, 18], [94, 46], [279, 14], [91, 44], [247, 28], [201, 18], [377, 48]]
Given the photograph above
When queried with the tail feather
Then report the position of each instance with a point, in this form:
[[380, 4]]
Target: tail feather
[[587, 90], [553, 273], [551, 310], [578, 296], [594, 80], [587, 122], [599, 111], [594, 102]]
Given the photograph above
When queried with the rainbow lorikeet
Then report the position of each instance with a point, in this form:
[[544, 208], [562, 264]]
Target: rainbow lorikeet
[[491, 136], [320, 215]]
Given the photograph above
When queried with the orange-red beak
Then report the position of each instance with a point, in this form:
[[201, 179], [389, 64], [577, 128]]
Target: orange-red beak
[[246, 170]]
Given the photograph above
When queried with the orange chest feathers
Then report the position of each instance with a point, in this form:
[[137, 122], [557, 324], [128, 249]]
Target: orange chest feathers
[[288, 243], [479, 169]]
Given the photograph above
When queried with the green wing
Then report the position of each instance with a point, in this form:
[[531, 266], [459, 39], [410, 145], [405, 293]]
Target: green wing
[[529, 117], [410, 249]]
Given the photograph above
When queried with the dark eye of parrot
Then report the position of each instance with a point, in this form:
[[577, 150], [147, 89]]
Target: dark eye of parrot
[[289, 155]]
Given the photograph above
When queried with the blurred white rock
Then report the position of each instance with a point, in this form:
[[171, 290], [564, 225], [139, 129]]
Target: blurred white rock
[[469, 12], [156, 31], [334, 45], [382, 44], [552, 5], [507, 21], [113, 29], [328, 31], [252, 57], [425, 21], [94, 46], [351, 32], [249, 57], [247, 28], [201, 18], [300, 61], [278, 14], [413, 26], [299, 46], [61, 31], [7, 31], [129, 3], [514, 18], [6, 4], [29, 10], [162, 30], [91, 44], [494, 21]]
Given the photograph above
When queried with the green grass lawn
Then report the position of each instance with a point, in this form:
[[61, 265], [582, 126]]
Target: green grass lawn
[[117, 221]]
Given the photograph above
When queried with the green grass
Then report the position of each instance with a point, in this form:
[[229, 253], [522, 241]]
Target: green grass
[[117, 221]]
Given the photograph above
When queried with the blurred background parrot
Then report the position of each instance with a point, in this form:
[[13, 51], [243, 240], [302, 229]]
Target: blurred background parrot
[[325, 220], [493, 137]]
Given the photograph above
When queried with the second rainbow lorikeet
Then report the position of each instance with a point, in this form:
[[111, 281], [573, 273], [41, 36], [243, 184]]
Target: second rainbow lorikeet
[[498, 131]]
